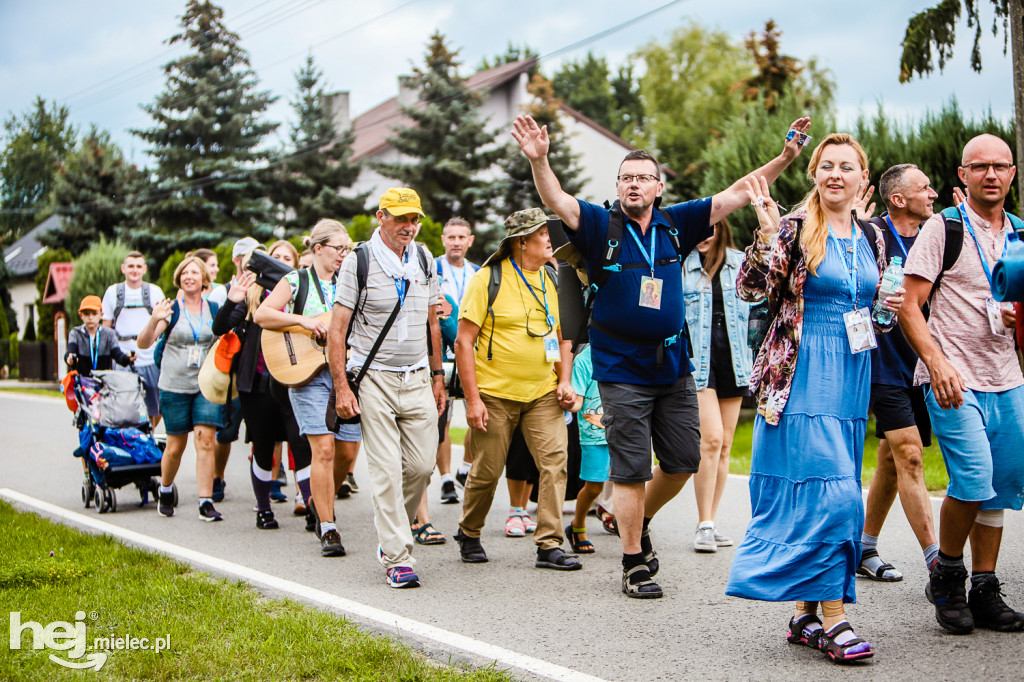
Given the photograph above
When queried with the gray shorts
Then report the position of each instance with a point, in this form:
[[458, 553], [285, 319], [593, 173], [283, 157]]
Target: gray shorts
[[636, 415]]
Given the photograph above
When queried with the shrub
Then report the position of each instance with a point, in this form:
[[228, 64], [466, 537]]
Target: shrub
[[95, 270]]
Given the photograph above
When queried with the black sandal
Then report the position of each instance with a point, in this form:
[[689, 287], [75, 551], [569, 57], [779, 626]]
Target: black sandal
[[578, 546], [840, 653], [879, 573], [643, 588], [427, 534], [798, 633], [557, 559]]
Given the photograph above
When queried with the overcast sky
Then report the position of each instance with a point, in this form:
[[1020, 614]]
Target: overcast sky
[[103, 58]]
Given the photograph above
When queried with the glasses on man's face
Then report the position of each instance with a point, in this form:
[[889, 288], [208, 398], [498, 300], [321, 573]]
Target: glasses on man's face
[[536, 319], [982, 168], [642, 178], [342, 249]]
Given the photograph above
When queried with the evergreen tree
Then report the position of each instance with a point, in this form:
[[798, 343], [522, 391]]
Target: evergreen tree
[[94, 187], [447, 142], [309, 183], [513, 53], [611, 101], [34, 145], [205, 142]]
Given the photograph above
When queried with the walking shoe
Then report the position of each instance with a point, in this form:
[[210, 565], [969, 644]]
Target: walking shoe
[[351, 480], [722, 540], [529, 524], [557, 559], [402, 576], [165, 507], [514, 527], [300, 506], [276, 492], [330, 544], [470, 548], [265, 520], [460, 478], [947, 591], [218, 489], [704, 541], [448, 494], [988, 608], [344, 490], [208, 513]]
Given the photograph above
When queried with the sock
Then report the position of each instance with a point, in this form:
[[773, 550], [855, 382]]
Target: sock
[[706, 524], [647, 522], [843, 637], [978, 577], [870, 560], [951, 562], [868, 542], [516, 511], [632, 560], [166, 489], [304, 489], [205, 499], [931, 556], [464, 468], [326, 526], [646, 547], [447, 477], [260, 488]]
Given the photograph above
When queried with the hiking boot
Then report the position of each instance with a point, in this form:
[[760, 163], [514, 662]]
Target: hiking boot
[[330, 544], [218, 489], [265, 520], [470, 548], [402, 576], [704, 541], [988, 608], [165, 507], [448, 494], [351, 480], [946, 589], [208, 513]]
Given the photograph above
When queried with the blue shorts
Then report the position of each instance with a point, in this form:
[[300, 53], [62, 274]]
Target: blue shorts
[[309, 403], [184, 411], [981, 445], [595, 463], [232, 422]]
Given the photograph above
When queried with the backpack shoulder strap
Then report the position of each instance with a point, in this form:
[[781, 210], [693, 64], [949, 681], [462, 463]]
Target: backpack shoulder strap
[[302, 292], [119, 303], [868, 228], [146, 300], [493, 284], [552, 274], [424, 257], [952, 245], [1017, 224]]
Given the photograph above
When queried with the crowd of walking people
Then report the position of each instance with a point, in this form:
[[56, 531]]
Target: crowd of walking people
[[652, 397]]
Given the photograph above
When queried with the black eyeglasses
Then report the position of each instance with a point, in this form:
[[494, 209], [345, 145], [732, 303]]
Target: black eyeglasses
[[548, 320], [343, 250]]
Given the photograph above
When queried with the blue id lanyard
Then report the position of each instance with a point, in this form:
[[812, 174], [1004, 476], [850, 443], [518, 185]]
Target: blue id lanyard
[[460, 289], [328, 302], [852, 276], [543, 290], [401, 284], [639, 244], [94, 348], [981, 254], [892, 228], [188, 318]]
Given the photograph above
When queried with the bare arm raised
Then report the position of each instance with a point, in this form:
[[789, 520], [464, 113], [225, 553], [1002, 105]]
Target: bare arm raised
[[533, 140], [725, 202]]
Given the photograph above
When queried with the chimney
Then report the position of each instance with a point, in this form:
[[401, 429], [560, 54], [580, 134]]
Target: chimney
[[338, 103], [408, 95]]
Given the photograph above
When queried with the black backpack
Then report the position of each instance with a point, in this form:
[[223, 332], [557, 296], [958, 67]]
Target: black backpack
[[119, 305]]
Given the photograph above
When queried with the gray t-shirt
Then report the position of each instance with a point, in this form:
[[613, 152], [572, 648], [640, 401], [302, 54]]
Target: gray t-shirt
[[406, 343], [177, 374]]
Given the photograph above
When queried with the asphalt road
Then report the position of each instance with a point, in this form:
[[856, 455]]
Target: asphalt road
[[579, 620]]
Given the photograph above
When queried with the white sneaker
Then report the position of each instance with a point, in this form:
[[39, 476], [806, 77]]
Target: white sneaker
[[722, 540], [704, 541]]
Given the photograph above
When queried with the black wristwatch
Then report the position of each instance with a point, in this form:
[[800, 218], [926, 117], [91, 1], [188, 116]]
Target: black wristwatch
[[437, 372]]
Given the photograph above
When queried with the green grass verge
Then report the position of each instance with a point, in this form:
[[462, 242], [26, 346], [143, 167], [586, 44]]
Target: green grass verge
[[934, 470], [218, 629], [36, 391]]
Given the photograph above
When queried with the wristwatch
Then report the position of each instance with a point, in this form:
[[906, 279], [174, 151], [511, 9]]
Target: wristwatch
[[437, 372]]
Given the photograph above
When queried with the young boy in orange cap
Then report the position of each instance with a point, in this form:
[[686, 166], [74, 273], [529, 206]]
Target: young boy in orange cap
[[92, 346]]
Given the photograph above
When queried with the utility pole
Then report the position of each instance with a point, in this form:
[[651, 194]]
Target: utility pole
[[1017, 53]]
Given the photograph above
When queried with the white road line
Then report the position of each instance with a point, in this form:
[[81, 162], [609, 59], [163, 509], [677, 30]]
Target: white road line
[[489, 652]]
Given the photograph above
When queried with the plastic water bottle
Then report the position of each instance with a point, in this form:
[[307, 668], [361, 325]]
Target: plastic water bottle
[[892, 279]]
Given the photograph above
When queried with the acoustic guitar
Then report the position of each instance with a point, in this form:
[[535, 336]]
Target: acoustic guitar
[[293, 355]]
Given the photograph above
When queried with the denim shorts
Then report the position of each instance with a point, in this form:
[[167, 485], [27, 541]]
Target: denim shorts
[[309, 403], [595, 463], [981, 444], [184, 411]]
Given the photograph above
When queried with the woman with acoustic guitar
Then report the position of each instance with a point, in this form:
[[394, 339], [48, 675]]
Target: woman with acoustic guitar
[[330, 244]]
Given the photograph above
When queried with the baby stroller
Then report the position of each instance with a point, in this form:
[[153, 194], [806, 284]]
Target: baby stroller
[[114, 437]]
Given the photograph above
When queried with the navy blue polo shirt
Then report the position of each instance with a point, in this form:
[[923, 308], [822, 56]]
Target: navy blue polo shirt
[[617, 305], [893, 361]]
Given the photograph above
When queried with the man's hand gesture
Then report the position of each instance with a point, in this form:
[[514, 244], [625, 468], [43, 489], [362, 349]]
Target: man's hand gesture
[[532, 138]]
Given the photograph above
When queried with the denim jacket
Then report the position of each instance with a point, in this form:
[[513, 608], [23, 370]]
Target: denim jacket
[[697, 296]]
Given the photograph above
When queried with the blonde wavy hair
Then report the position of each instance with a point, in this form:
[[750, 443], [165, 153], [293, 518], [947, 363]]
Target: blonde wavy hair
[[814, 234]]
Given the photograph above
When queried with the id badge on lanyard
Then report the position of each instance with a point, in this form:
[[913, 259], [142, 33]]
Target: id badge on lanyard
[[995, 318], [859, 330], [195, 355], [551, 352]]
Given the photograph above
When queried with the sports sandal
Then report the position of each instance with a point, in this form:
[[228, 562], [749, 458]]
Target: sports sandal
[[643, 588], [578, 546], [427, 535], [855, 650], [557, 559], [879, 573], [607, 520], [798, 633]]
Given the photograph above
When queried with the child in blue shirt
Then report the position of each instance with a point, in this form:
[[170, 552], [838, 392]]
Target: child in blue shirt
[[595, 461]]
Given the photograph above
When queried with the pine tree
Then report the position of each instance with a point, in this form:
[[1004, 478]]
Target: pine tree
[[447, 142], [94, 187], [308, 185], [205, 142]]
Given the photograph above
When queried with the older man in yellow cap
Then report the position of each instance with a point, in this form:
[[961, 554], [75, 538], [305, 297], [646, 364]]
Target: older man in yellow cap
[[401, 393]]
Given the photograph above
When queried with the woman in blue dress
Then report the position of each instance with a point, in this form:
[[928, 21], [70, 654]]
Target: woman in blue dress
[[812, 381]]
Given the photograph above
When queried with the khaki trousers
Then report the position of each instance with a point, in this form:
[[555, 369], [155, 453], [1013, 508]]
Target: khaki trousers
[[399, 420], [543, 427]]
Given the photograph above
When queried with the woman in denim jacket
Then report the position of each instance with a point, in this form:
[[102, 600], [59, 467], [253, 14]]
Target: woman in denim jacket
[[717, 320]]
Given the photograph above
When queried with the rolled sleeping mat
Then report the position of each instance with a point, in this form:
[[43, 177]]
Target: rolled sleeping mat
[[268, 269], [1008, 274]]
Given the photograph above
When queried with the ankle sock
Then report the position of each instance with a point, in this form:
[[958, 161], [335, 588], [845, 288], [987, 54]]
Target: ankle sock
[[931, 556], [447, 477], [978, 577], [167, 489], [706, 524], [632, 561], [516, 511], [951, 562], [647, 523], [205, 499], [326, 526], [843, 637], [464, 468]]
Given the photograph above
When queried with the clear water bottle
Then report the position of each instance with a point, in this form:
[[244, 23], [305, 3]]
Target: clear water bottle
[[892, 279]]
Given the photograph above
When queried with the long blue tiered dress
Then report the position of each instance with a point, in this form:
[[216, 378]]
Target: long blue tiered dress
[[803, 541]]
